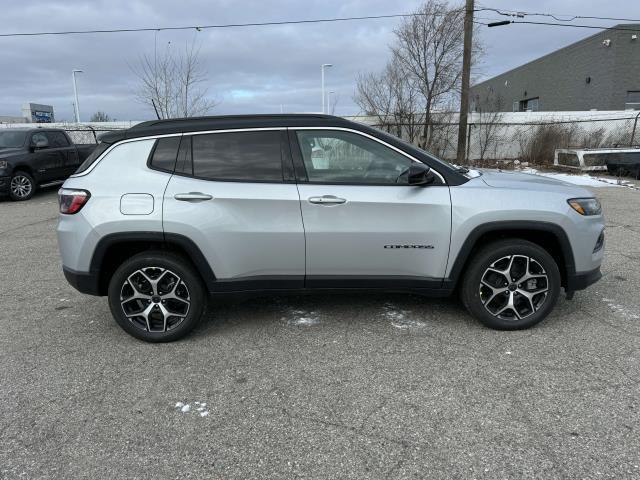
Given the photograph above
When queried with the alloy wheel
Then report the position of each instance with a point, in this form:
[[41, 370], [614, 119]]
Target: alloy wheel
[[21, 186], [514, 287], [155, 299]]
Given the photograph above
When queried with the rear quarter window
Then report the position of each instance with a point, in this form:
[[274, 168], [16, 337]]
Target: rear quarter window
[[164, 154], [99, 150]]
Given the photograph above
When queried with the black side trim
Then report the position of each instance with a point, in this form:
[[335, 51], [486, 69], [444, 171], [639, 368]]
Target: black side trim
[[259, 283], [88, 283], [391, 282], [194, 253], [580, 281], [490, 227]]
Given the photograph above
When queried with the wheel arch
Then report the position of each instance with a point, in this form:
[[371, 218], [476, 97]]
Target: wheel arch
[[22, 167], [115, 248], [547, 235]]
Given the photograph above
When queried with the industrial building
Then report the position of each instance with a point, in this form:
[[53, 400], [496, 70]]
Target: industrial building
[[31, 113], [600, 72]]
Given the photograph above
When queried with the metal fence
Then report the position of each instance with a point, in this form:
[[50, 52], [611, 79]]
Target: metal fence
[[87, 134], [78, 132], [491, 139]]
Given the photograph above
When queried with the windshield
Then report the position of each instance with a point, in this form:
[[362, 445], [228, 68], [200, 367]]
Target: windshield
[[12, 139]]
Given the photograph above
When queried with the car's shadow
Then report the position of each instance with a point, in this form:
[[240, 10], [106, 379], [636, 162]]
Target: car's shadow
[[402, 311]]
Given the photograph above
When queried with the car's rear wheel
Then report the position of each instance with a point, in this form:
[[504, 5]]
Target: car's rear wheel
[[511, 284], [157, 296], [21, 186]]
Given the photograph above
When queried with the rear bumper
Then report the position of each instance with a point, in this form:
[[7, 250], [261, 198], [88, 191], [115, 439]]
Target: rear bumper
[[581, 280], [84, 282]]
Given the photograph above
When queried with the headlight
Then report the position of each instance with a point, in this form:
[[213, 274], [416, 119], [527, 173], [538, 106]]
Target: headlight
[[3, 164], [585, 206]]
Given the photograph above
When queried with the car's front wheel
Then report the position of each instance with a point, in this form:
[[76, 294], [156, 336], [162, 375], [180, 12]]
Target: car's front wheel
[[511, 284], [157, 296]]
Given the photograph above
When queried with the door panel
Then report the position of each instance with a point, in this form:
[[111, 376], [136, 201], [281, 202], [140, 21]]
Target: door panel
[[48, 162], [246, 230], [378, 231], [364, 222]]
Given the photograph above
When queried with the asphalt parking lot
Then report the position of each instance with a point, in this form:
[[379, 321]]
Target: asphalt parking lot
[[350, 386]]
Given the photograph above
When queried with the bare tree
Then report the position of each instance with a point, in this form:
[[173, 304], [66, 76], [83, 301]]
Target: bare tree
[[429, 47], [172, 83], [489, 118], [391, 98], [100, 117]]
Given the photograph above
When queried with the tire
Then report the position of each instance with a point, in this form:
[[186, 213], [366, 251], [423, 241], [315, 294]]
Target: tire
[[164, 297], [22, 186], [485, 292]]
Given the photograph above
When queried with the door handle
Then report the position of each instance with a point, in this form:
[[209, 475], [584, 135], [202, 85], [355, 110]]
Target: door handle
[[327, 200], [192, 197]]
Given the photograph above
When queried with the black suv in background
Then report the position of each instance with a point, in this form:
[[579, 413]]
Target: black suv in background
[[37, 157]]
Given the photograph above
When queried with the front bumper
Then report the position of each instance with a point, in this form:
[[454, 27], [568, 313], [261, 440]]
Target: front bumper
[[581, 280], [4, 185]]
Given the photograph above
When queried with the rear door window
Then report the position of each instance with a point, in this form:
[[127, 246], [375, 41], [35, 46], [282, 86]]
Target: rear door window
[[254, 156], [57, 140]]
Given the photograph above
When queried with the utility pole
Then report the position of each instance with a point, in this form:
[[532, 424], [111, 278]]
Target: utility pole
[[75, 94], [466, 73], [324, 65]]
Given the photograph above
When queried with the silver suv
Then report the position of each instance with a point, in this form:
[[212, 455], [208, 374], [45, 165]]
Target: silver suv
[[168, 213]]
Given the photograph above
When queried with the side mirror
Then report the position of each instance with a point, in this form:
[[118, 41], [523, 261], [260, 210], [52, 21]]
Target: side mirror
[[420, 174]]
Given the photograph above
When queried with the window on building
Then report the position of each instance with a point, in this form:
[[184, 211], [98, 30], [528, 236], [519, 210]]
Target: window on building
[[633, 100], [527, 105]]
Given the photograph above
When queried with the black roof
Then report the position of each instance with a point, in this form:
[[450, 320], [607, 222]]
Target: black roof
[[221, 122]]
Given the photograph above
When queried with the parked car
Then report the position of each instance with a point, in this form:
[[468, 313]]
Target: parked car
[[37, 157], [169, 212]]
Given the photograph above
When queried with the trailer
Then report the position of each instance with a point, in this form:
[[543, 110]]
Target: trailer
[[617, 161]]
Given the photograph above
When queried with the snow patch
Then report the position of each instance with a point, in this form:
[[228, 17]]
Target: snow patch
[[400, 318], [581, 179], [301, 318], [186, 408], [621, 310]]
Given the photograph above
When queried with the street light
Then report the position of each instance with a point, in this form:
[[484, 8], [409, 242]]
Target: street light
[[75, 93], [324, 65], [329, 101]]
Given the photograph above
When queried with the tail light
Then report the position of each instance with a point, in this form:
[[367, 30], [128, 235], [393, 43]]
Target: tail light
[[71, 201]]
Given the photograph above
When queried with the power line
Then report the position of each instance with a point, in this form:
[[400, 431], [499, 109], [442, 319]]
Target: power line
[[597, 27], [204, 27], [555, 16]]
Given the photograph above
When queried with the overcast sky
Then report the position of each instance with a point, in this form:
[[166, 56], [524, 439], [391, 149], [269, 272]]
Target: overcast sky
[[251, 70]]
